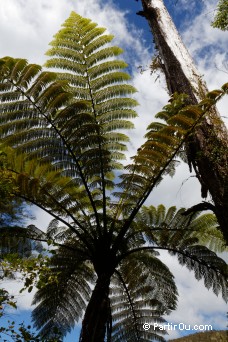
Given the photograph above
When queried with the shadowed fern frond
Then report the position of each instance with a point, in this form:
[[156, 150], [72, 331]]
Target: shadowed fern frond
[[62, 299], [180, 235], [142, 298]]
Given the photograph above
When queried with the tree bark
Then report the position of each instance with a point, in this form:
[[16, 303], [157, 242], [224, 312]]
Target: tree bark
[[97, 314], [207, 150]]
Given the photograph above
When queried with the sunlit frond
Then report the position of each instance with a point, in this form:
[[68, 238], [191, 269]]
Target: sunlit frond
[[156, 157]]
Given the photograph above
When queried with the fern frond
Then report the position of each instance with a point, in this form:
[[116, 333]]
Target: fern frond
[[17, 240], [62, 299], [164, 141], [100, 82], [180, 235], [80, 120], [139, 296], [207, 266], [106, 67]]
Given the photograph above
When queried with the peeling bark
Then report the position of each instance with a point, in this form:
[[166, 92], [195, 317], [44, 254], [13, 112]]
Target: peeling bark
[[207, 150]]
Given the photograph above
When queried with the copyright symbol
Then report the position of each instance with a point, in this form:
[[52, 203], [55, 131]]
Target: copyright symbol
[[146, 326]]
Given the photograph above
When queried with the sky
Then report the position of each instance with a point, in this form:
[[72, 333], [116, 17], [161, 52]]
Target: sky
[[26, 28]]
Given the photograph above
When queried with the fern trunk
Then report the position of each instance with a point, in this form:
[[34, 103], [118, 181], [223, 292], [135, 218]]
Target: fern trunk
[[94, 324], [208, 149]]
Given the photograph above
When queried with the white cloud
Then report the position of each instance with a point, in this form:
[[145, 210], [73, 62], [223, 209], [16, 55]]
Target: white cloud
[[27, 27], [23, 299], [213, 40], [208, 46], [151, 97], [196, 305], [42, 218], [203, 41], [182, 190]]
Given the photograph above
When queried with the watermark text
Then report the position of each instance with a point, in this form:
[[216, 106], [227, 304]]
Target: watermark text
[[180, 326]]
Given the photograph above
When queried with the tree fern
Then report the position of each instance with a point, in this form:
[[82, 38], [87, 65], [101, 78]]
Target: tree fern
[[64, 136]]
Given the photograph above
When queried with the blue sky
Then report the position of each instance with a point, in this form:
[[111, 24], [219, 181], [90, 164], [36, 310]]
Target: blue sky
[[26, 28]]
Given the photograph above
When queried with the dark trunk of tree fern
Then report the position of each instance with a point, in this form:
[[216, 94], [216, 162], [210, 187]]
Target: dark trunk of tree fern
[[207, 150], [97, 315]]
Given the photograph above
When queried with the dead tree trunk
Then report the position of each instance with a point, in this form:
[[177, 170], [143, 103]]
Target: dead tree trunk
[[208, 149]]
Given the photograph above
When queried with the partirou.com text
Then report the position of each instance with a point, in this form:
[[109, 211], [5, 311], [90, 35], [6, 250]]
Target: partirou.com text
[[180, 326]]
